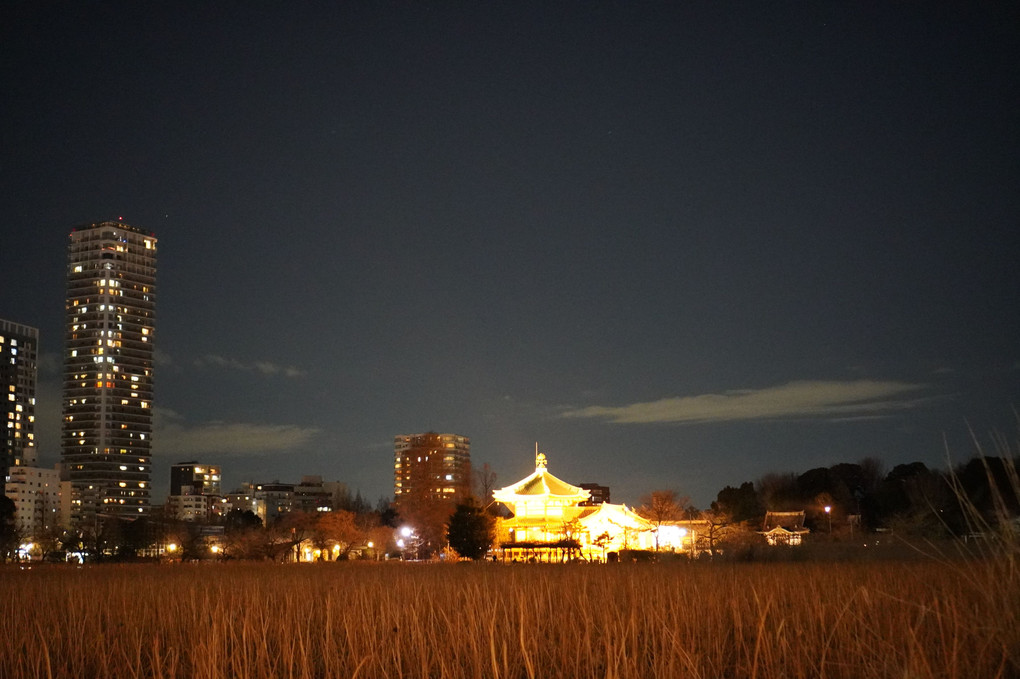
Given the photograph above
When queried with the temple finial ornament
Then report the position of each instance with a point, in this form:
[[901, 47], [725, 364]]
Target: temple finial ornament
[[539, 459]]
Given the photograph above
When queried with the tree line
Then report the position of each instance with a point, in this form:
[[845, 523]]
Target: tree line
[[910, 499]]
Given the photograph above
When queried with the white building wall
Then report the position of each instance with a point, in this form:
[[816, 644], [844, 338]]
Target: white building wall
[[36, 495]]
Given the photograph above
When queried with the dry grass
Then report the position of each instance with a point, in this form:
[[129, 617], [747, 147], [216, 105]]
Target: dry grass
[[246, 621]]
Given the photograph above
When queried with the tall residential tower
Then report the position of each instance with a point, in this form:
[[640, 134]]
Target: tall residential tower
[[19, 346], [431, 468], [108, 351]]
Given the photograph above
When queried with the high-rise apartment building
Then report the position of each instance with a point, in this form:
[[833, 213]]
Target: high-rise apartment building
[[19, 345], [431, 467], [106, 438]]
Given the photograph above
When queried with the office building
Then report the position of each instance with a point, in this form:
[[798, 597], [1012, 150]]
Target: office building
[[430, 468], [19, 346], [106, 438]]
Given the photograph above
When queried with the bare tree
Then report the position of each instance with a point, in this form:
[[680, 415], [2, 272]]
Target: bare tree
[[721, 528], [485, 481], [662, 506], [339, 528]]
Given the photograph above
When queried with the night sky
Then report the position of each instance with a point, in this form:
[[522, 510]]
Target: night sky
[[679, 245]]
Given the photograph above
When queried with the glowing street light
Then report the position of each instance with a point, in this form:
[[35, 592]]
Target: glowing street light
[[409, 540], [828, 513]]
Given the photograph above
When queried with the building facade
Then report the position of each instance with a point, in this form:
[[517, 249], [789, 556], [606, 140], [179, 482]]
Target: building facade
[[106, 438], [272, 500], [599, 494], [552, 520], [36, 495], [194, 492], [430, 468], [196, 508], [19, 346], [311, 495], [192, 478]]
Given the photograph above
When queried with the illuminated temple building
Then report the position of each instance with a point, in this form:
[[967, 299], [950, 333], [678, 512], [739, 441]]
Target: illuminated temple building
[[551, 522]]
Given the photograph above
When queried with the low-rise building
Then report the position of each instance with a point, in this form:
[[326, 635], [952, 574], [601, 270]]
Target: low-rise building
[[36, 495], [189, 507], [783, 528]]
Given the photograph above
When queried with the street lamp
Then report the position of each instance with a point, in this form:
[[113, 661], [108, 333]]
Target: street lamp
[[408, 540], [828, 513]]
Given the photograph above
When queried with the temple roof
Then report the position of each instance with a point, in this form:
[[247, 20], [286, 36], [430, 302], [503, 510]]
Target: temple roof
[[540, 484], [618, 515]]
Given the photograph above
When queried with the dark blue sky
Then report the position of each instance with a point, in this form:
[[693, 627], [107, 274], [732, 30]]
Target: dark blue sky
[[678, 244]]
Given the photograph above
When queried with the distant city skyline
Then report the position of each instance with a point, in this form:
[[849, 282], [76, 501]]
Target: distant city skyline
[[680, 246]]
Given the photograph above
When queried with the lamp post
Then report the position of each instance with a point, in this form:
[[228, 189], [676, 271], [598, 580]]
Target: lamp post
[[828, 513]]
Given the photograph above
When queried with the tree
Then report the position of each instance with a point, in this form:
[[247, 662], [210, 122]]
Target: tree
[[239, 519], [136, 536], [486, 482], [340, 528], [662, 506], [428, 519], [721, 529], [293, 528], [601, 541], [739, 504], [471, 530], [779, 492], [246, 543], [8, 529]]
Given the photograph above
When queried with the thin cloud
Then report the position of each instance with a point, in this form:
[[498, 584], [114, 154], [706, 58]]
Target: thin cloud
[[173, 435], [162, 358], [48, 363], [261, 367], [829, 399]]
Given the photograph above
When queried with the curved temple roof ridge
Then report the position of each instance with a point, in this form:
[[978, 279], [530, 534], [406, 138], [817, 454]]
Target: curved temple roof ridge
[[540, 483]]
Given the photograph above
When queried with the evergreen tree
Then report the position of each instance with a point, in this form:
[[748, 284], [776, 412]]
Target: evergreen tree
[[470, 532], [8, 530]]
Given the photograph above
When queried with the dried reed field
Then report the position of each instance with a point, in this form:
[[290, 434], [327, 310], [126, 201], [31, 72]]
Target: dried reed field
[[929, 618]]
